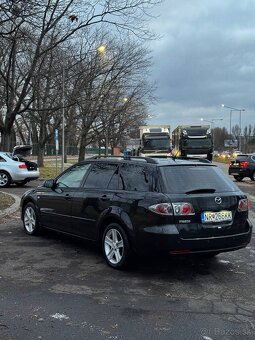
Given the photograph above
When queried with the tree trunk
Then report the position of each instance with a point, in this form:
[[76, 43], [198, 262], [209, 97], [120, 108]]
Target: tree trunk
[[82, 149], [8, 140], [40, 156]]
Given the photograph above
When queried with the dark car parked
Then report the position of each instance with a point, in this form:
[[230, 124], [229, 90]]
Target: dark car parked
[[243, 166], [142, 205]]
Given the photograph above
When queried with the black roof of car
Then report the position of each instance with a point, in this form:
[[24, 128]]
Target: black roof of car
[[245, 155], [160, 161]]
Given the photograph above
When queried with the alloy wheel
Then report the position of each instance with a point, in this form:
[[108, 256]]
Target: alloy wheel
[[3, 179], [30, 219], [114, 246]]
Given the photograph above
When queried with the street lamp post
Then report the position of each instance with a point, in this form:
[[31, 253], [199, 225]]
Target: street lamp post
[[63, 120], [240, 122], [230, 126]]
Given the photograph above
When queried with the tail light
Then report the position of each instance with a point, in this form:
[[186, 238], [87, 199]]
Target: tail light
[[244, 164], [244, 204], [183, 208], [162, 208], [177, 209], [22, 166]]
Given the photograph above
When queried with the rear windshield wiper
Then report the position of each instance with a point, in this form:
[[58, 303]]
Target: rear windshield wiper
[[198, 191]]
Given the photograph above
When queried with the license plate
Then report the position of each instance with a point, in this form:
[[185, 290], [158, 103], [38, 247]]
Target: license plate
[[216, 216]]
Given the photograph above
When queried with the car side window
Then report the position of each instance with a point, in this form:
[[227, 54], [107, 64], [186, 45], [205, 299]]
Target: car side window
[[73, 177], [114, 181], [2, 159], [135, 177], [101, 175]]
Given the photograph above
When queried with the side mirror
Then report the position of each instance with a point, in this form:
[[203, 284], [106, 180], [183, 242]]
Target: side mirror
[[49, 183]]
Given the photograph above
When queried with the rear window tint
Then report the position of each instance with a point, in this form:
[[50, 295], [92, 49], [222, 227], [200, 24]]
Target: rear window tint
[[242, 158], [181, 179], [135, 177]]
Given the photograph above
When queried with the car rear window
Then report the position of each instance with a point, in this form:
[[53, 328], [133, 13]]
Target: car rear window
[[242, 158], [187, 178]]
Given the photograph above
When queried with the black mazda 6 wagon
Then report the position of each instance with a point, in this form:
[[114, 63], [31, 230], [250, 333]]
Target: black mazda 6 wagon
[[135, 205]]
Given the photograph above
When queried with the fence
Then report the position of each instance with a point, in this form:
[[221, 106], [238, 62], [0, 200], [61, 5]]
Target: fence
[[50, 150]]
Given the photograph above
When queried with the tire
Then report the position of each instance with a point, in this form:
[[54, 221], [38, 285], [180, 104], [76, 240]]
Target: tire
[[238, 178], [253, 176], [115, 246], [5, 179], [30, 219]]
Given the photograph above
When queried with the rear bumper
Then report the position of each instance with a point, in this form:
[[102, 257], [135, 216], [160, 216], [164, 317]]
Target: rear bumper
[[26, 175], [168, 240], [240, 172], [197, 151]]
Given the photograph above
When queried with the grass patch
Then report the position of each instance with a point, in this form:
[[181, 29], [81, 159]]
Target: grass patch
[[5, 201], [47, 172]]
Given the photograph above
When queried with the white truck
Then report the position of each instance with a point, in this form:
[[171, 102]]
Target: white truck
[[155, 141]]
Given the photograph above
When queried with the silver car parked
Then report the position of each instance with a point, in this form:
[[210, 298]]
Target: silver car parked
[[15, 169]]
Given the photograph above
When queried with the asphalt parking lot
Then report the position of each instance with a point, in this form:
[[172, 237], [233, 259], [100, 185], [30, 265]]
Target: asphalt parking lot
[[55, 287]]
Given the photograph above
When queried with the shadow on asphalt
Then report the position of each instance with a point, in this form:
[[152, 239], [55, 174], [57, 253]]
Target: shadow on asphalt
[[182, 267]]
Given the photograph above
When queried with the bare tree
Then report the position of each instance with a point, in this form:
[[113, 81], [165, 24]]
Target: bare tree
[[121, 76], [220, 135], [34, 33]]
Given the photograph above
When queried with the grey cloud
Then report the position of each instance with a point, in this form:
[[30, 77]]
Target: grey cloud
[[206, 57]]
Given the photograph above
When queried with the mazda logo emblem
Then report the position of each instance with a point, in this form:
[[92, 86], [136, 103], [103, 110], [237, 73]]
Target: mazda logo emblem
[[218, 200]]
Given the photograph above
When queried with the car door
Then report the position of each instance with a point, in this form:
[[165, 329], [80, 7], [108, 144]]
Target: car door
[[56, 203], [94, 200]]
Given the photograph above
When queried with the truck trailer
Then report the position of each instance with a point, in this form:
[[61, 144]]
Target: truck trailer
[[155, 141], [193, 140]]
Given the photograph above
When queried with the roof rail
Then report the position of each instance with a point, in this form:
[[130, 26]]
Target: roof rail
[[202, 160], [127, 158]]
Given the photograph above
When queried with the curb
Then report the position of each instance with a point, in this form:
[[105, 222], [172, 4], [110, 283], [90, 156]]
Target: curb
[[13, 208]]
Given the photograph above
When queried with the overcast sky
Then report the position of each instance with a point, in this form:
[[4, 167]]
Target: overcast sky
[[205, 58]]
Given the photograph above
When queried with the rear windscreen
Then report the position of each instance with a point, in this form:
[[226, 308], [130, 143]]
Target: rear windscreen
[[157, 143], [185, 178], [242, 158]]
